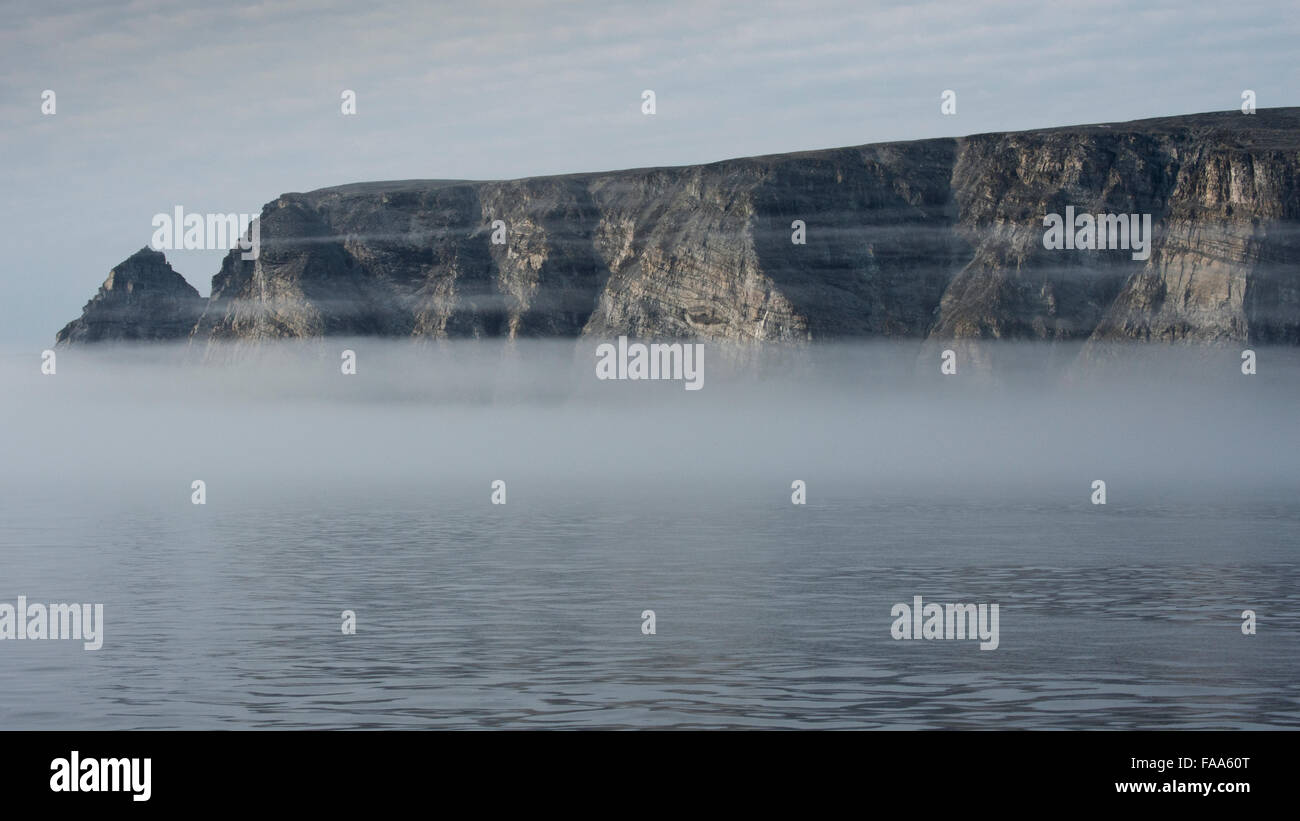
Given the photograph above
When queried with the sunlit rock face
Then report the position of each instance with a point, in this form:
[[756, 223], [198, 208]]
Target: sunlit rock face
[[929, 240]]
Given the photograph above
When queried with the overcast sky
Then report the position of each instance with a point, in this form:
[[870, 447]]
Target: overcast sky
[[222, 106]]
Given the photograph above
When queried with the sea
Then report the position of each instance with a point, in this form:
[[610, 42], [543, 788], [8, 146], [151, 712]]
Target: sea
[[485, 535]]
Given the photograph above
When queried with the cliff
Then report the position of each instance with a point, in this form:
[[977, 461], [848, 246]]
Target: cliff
[[934, 239], [142, 299]]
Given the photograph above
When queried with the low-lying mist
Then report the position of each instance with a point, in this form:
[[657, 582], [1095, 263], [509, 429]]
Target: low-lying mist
[[442, 420]]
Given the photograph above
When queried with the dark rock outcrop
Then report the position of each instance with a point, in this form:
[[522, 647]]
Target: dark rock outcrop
[[143, 299], [933, 239]]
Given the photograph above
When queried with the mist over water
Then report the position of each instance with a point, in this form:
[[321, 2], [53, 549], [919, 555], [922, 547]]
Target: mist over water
[[371, 492]]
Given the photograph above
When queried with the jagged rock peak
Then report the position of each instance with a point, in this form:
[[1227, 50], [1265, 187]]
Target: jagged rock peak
[[143, 298]]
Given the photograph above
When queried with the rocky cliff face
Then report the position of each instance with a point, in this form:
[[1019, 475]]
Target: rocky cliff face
[[938, 239], [142, 299]]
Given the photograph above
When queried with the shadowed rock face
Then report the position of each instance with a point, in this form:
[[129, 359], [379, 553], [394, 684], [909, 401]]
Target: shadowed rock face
[[933, 239], [142, 299]]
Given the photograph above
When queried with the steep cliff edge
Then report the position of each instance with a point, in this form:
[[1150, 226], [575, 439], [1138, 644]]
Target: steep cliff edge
[[938, 239], [142, 299]]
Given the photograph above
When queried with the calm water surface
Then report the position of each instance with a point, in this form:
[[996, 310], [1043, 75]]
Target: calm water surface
[[227, 615]]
